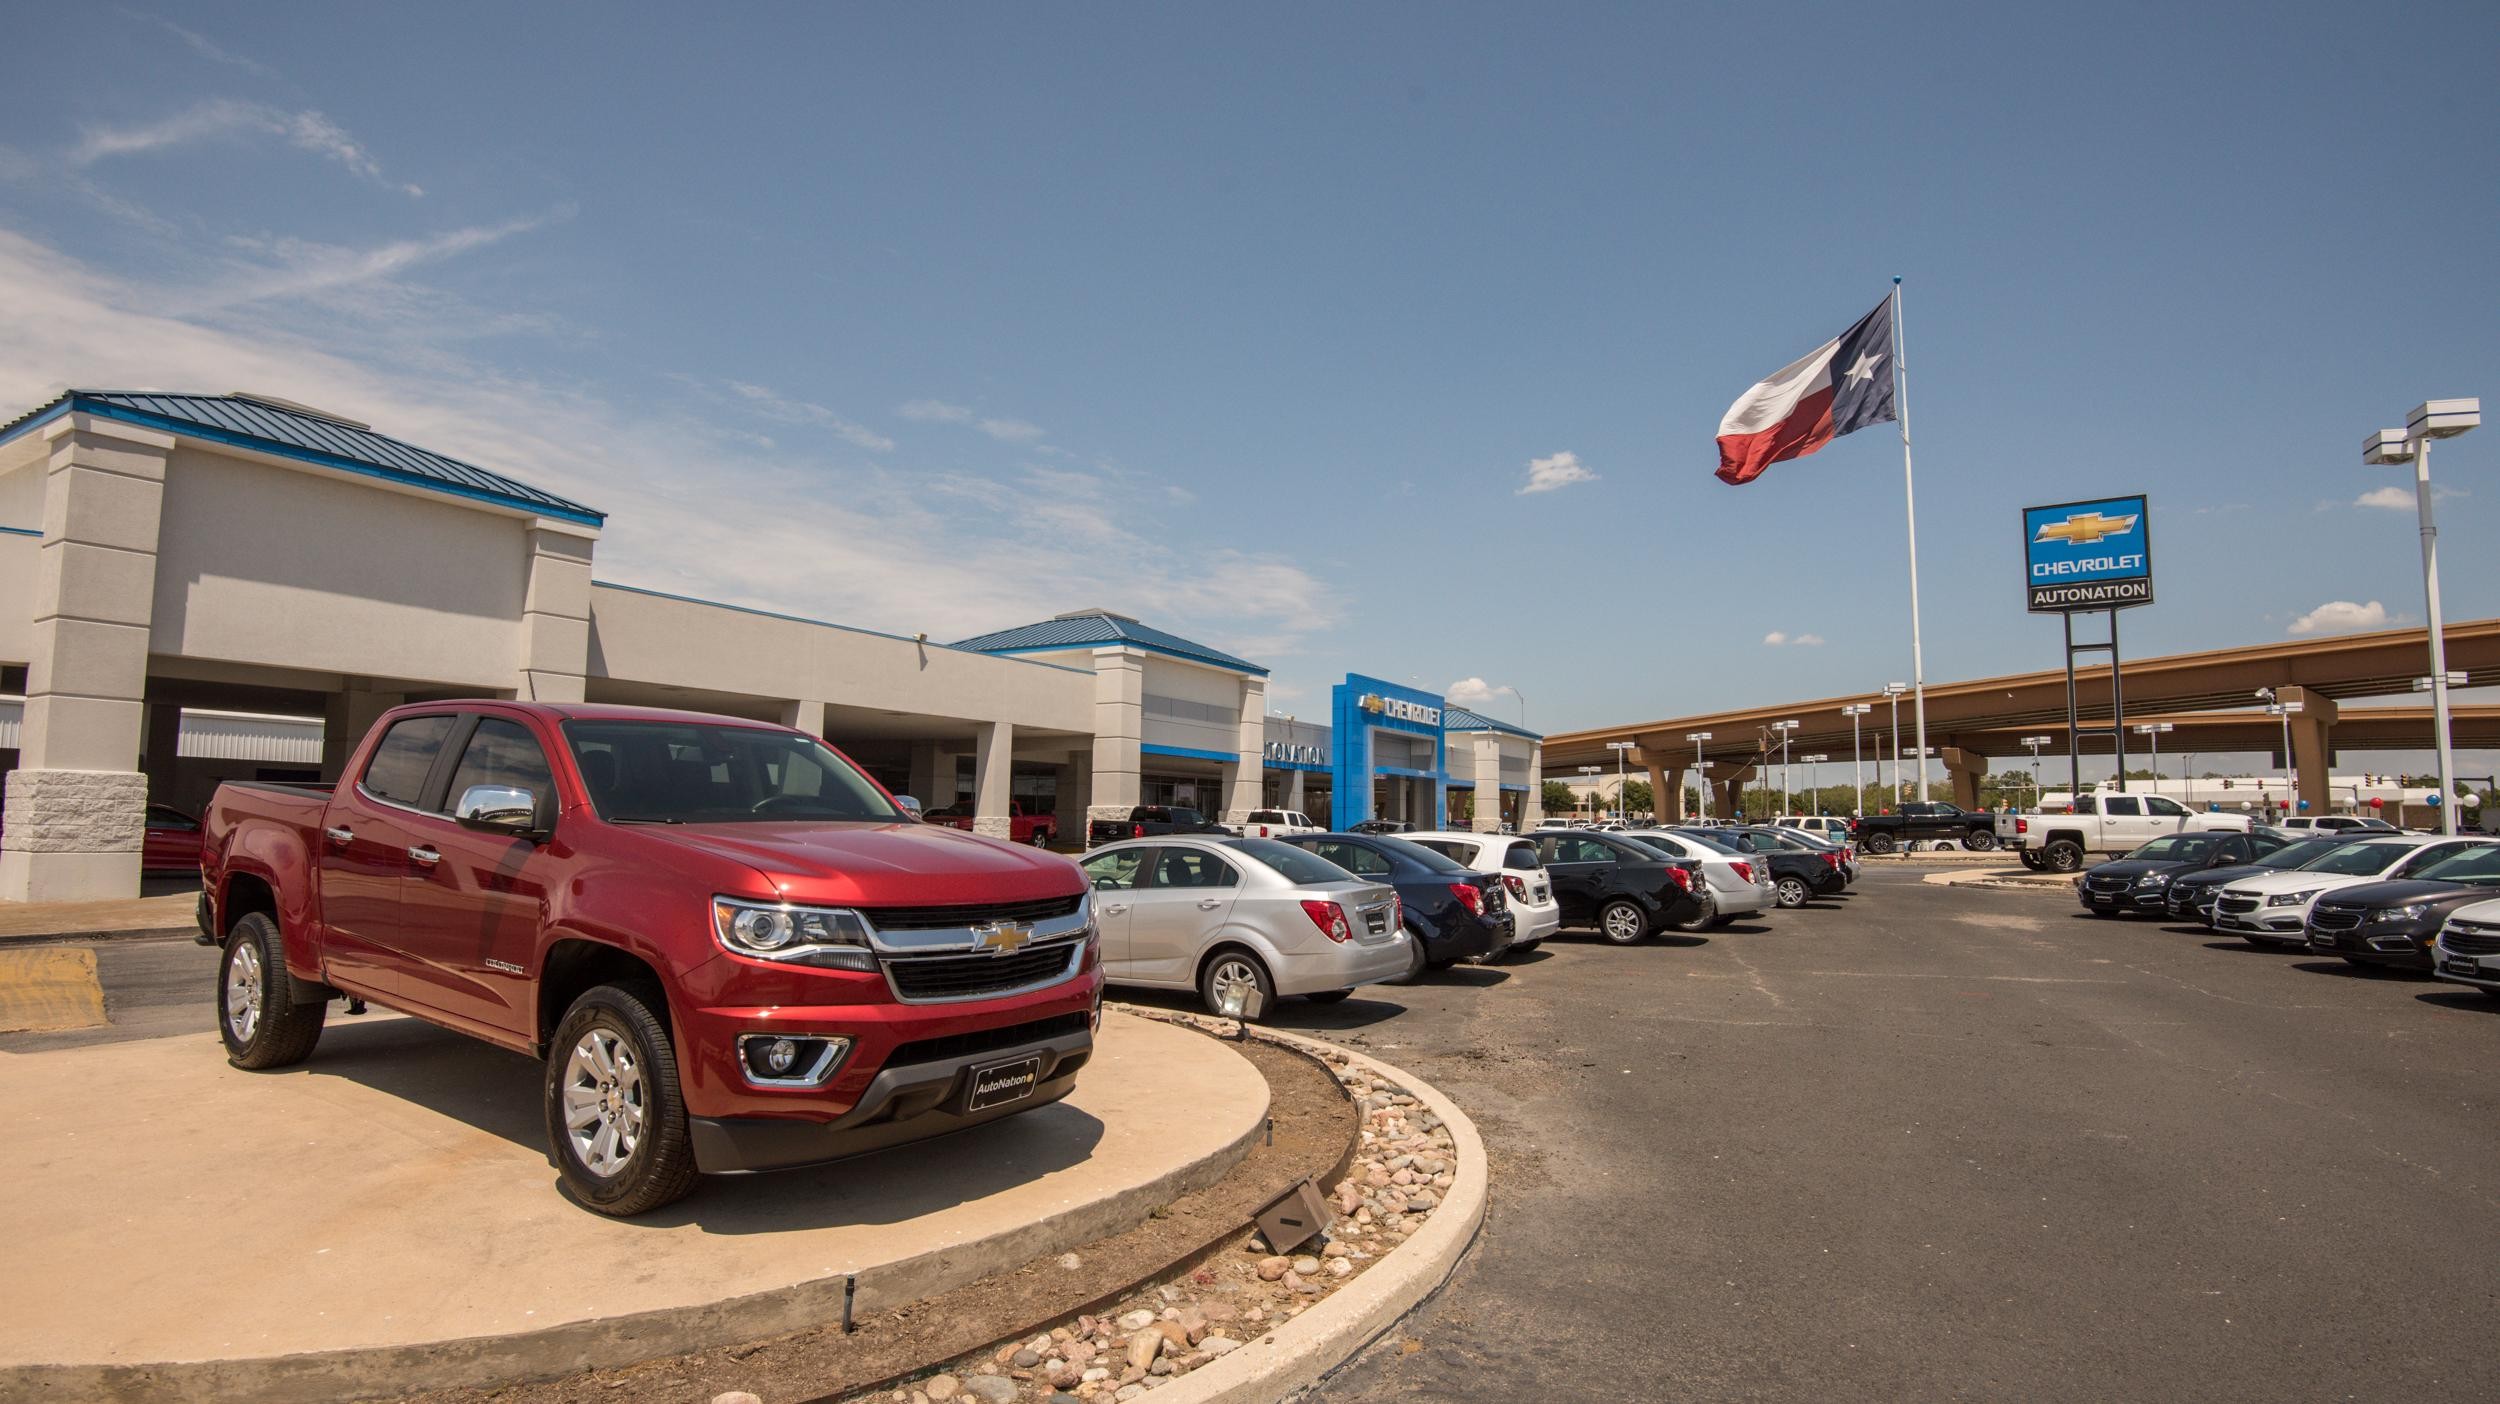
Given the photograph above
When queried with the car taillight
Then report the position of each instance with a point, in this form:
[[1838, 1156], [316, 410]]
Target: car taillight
[[1136, 831], [1469, 897], [1329, 918], [1518, 885], [1683, 877], [1831, 860], [1744, 871]]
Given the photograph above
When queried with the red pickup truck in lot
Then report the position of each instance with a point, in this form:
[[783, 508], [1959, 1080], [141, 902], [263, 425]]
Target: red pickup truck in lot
[[1023, 825], [731, 948]]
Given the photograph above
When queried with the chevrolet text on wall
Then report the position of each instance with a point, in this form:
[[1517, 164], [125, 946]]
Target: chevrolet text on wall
[[1400, 709]]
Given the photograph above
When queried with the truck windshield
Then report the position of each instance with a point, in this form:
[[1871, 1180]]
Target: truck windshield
[[676, 772]]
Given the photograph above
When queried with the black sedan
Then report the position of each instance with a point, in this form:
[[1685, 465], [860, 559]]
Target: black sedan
[[1454, 913], [2140, 882], [1625, 889], [2192, 894], [1800, 871], [2392, 923]]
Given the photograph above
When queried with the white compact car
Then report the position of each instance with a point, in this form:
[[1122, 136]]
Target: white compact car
[[1533, 907], [1737, 885], [2274, 909], [1228, 917], [2467, 949]]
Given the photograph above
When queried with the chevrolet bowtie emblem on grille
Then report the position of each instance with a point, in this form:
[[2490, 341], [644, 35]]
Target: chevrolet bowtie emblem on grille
[[1001, 937], [2085, 528]]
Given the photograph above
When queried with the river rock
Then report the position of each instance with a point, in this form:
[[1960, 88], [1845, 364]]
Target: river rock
[[1271, 1269], [1137, 1321], [1306, 1266], [1143, 1348], [991, 1389], [941, 1388], [1025, 1359], [736, 1396], [1219, 1345]]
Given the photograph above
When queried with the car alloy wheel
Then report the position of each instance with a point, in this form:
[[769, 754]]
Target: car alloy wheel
[[2064, 856], [1232, 979], [605, 1101], [1622, 923], [1980, 841], [1792, 892], [1879, 842]]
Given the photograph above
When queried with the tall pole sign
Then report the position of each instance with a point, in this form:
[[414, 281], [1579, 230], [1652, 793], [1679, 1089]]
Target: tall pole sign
[[2081, 558]]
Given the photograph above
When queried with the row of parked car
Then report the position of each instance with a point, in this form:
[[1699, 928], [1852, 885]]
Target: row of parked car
[[2411, 901], [1286, 909]]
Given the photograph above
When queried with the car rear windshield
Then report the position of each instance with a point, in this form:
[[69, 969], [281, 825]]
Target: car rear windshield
[[2358, 859], [2177, 848], [1294, 865], [676, 772], [1708, 841], [2475, 867]]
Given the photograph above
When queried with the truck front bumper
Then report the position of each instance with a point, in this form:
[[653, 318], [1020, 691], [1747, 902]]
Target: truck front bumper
[[905, 1102]]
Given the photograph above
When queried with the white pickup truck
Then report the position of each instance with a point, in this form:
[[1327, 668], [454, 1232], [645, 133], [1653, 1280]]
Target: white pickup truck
[[1278, 823], [2105, 823]]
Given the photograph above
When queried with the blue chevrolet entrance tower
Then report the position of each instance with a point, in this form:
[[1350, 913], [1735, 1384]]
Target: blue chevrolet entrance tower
[[1384, 731]]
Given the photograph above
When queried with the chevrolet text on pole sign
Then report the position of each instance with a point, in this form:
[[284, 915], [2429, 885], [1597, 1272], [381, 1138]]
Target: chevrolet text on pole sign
[[2088, 555]]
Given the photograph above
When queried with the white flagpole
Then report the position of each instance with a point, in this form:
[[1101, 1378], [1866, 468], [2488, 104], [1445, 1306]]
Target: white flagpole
[[1909, 493]]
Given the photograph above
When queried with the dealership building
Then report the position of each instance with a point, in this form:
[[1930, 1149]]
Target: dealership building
[[213, 587]]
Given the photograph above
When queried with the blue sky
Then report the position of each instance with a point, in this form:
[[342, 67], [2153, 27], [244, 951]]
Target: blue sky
[[1253, 322]]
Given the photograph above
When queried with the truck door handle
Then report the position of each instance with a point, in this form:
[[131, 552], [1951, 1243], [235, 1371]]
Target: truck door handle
[[339, 835], [1208, 904], [424, 856]]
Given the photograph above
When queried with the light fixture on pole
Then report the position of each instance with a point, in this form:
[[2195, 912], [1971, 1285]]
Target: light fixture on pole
[[2152, 731], [1894, 691], [1592, 770], [1621, 749], [1785, 729], [1814, 780], [2431, 419], [2285, 710], [1697, 737], [1857, 770], [2035, 745]]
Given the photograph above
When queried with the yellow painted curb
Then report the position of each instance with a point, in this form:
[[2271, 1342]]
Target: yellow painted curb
[[49, 989]]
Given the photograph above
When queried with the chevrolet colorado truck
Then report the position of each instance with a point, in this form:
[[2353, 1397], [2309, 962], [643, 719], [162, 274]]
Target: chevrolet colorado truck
[[731, 949]]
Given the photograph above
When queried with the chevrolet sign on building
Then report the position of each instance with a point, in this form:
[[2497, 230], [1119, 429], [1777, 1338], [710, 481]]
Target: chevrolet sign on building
[[2088, 555]]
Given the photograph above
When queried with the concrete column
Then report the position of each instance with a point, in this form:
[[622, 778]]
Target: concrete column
[[345, 718], [1731, 789], [1076, 785], [1242, 779], [806, 716], [924, 774], [1967, 769], [1119, 730], [1659, 798], [1532, 809], [75, 807], [993, 779], [555, 614], [1293, 790], [2312, 751]]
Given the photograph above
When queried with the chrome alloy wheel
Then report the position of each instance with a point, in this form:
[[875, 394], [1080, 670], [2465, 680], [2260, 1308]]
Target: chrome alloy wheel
[[605, 1101], [1233, 978], [1623, 923], [244, 987]]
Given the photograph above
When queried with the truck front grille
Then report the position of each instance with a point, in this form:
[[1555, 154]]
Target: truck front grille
[[935, 979], [952, 918], [968, 1045]]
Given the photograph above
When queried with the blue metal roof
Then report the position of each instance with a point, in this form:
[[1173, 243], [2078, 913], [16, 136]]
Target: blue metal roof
[[1460, 719], [307, 437], [1098, 630]]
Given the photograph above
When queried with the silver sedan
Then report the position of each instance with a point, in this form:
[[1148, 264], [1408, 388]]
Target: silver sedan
[[1242, 921]]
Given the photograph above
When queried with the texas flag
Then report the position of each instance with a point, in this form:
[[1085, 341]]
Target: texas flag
[[1845, 383]]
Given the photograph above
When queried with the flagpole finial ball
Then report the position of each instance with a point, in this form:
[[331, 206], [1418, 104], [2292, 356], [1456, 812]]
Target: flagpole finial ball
[[1896, 280]]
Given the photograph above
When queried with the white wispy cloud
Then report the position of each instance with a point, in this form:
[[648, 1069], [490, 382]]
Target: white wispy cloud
[[282, 268], [2400, 499], [232, 117], [206, 47], [2343, 617], [776, 406], [1779, 639], [935, 412], [1559, 471], [1006, 431], [659, 463], [1473, 693], [1011, 431]]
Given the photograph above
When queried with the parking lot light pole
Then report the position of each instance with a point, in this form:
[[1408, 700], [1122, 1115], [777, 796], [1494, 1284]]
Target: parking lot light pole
[[1894, 691], [1785, 728], [2439, 687], [1814, 779], [2152, 731], [1623, 810], [2275, 707], [1697, 737], [2431, 419], [1593, 770], [1857, 769], [2036, 744]]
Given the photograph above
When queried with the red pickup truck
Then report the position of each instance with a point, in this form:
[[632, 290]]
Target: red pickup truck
[[1023, 825], [731, 948]]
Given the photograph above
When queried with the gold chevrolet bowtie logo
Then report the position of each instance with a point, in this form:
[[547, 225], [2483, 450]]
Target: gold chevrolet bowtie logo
[[2085, 529], [1001, 937], [1374, 702]]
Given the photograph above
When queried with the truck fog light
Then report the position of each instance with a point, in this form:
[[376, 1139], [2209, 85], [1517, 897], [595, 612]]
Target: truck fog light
[[791, 1060], [781, 1055]]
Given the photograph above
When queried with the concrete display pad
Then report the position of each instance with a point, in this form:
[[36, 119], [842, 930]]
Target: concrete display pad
[[181, 1229]]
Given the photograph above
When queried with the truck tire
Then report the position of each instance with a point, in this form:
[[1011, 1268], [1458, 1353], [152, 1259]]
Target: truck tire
[[2031, 859], [1041, 838], [2062, 856], [1622, 922], [616, 1123], [257, 1016], [1235, 969], [1980, 840], [1879, 842]]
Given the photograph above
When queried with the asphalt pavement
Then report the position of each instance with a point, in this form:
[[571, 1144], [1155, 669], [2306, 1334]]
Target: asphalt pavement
[[1915, 1143]]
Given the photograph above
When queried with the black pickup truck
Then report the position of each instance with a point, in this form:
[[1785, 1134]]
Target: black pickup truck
[[1974, 829], [1151, 821]]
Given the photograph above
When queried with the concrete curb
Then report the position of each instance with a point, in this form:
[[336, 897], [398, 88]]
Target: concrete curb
[[1305, 1350], [55, 938], [484, 1361]]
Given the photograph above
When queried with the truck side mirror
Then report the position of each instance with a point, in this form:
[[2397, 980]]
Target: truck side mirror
[[501, 809], [908, 805]]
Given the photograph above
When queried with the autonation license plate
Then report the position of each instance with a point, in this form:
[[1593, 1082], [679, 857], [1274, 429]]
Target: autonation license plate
[[997, 1084], [2461, 965]]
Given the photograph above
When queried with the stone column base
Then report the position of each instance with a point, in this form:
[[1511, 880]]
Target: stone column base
[[997, 826], [72, 835]]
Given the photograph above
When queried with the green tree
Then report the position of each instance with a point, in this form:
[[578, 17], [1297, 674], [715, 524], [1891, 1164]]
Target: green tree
[[1558, 798], [1636, 797]]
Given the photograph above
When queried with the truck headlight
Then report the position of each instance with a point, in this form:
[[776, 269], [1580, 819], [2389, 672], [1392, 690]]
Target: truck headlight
[[2292, 899], [2411, 911], [832, 937]]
